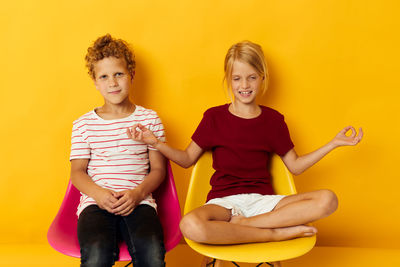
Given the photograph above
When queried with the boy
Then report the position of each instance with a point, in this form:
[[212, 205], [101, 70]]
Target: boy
[[115, 174]]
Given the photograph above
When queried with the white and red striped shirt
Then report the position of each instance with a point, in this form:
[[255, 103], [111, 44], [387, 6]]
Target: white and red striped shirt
[[116, 162]]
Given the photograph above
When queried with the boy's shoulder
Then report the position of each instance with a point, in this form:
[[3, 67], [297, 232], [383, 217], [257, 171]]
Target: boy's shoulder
[[144, 111], [85, 118], [145, 114]]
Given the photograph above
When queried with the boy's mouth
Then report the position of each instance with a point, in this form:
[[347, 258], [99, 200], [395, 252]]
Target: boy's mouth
[[115, 92]]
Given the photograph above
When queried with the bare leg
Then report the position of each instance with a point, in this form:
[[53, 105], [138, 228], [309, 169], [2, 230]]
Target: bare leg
[[294, 210], [210, 224]]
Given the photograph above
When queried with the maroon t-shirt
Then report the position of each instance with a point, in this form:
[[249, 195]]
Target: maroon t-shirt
[[241, 149]]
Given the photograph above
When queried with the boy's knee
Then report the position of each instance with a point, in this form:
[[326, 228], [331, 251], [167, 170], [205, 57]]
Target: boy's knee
[[193, 228], [328, 202], [97, 255], [150, 251]]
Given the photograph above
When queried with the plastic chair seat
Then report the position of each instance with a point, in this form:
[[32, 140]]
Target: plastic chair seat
[[253, 252], [62, 234]]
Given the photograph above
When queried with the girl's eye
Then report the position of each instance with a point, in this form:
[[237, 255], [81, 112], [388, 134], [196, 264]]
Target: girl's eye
[[236, 78], [119, 74]]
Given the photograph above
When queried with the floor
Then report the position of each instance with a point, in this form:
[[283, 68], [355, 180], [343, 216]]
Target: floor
[[182, 256]]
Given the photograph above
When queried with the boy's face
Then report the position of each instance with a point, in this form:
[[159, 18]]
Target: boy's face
[[113, 80]]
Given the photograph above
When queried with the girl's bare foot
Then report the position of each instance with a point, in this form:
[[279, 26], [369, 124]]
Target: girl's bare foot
[[285, 233]]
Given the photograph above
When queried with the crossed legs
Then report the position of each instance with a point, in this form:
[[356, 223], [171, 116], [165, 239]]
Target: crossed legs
[[213, 224]]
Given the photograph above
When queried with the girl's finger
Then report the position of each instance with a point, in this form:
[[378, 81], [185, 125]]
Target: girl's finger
[[353, 131], [128, 132]]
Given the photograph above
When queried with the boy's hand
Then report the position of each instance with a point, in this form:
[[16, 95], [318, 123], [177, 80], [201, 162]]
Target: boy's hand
[[141, 135], [106, 199], [127, 202], [341, 139]]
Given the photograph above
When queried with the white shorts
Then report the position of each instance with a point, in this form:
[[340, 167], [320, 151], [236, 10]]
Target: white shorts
[[248, 205]]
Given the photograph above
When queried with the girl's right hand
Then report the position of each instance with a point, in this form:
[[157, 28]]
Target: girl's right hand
[[142, 134]]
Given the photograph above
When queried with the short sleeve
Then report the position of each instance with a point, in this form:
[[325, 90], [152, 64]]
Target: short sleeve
[[157, 128], [79, 147], [203, 136], [282, 143]]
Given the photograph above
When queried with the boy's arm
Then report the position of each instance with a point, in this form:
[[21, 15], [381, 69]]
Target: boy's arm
[[129, 199], [184, 158], [104, 198], [298, 164]]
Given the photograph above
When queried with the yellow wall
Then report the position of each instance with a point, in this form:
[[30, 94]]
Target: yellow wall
[[332, 63]]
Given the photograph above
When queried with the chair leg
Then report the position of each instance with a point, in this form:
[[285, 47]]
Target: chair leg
[[208, 262]]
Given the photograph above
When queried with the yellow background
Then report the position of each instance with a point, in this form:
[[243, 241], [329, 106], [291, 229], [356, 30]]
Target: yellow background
[[332, 63]]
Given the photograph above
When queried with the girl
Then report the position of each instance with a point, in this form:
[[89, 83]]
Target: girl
[[241, 206]]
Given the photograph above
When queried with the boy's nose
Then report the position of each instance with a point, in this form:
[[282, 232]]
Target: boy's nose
[[113, 82]]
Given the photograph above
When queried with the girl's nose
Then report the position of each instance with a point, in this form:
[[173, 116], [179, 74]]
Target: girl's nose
[[245, 84]]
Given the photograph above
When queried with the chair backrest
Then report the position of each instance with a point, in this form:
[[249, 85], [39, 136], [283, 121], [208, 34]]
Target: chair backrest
[[199, 185], [62, 234]]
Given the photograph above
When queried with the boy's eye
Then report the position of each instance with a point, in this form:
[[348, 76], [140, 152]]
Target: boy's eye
[[102, 77]]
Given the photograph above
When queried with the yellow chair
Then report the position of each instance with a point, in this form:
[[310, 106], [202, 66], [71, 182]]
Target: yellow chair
[[254, 252]]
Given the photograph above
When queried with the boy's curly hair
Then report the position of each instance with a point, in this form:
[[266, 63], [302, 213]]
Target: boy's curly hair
[[107, 46]]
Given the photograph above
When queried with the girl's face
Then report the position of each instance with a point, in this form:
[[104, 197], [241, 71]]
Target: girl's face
[[246, 82]]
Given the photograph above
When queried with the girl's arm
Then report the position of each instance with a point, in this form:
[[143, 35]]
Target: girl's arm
[[184, 158], [129, 199], [104, 198], [298, 164]]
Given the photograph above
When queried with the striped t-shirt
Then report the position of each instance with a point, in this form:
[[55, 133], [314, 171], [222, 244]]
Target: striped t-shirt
[[116, 162]]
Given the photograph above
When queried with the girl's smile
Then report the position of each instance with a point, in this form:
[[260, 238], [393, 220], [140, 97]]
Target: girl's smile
[[246, 83]]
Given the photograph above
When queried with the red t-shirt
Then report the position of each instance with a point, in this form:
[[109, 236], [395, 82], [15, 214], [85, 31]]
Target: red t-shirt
[[241, 149]]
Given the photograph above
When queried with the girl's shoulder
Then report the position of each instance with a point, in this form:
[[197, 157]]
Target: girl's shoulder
[[271, 113], [217, 109]]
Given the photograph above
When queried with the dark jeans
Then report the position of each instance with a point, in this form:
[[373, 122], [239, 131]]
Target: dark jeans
[[100, 231]]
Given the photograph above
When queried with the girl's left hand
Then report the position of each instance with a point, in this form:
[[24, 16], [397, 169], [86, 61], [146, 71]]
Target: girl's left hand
[[341, 139]]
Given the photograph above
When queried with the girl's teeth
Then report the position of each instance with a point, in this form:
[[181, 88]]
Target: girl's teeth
[[245, 93]]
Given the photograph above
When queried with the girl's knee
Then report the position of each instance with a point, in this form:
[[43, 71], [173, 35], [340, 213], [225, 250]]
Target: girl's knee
[[328, 202], [193, 228]]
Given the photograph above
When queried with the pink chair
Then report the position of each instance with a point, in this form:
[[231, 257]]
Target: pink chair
[[62, 234]]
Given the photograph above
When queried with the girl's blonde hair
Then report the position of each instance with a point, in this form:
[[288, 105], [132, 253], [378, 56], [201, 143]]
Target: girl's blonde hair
[[250, 53]]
